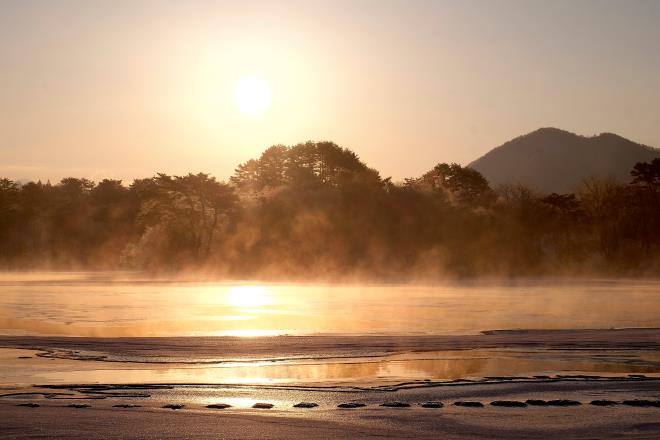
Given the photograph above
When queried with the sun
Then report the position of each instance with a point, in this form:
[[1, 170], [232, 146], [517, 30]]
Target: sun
[[252, 96]]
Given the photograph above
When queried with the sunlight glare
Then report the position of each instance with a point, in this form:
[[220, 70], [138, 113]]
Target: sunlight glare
[[252, 96], [251, 333], [249, 296]]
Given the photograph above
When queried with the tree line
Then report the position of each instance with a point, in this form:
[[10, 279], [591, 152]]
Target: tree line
[[315, 210]]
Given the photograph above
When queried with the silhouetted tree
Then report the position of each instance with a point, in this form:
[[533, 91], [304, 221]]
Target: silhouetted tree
[[645, 203], [647, 174], [186, 212], [455, 182]]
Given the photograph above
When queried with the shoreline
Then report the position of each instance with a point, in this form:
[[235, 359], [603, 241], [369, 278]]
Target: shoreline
[[331, 360], [289, 347], [176, 412], [552, 404]]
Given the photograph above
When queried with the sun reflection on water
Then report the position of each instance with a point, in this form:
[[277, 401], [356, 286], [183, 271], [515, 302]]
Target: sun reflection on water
[[248, 301], [248, 333], [249, 296]]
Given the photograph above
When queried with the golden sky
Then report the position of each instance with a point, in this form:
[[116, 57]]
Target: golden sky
[[127, 88]]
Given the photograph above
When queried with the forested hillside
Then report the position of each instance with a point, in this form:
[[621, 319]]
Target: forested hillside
[[315, 210]]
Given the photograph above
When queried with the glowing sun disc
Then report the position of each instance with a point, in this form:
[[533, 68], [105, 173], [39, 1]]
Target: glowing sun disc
[[252, 96]]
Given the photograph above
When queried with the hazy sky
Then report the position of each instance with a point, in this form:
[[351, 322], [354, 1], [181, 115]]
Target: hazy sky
[[127, 88]]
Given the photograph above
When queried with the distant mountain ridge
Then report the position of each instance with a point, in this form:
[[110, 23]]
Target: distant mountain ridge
[[554, 160]]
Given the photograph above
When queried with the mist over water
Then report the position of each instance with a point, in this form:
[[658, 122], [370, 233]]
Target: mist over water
[[115, 305]]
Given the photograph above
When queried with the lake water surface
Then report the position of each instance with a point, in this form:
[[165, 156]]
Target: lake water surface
[[106, 305], [339, 334]]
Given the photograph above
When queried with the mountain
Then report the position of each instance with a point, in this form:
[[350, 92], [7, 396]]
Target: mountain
[[553, 160]]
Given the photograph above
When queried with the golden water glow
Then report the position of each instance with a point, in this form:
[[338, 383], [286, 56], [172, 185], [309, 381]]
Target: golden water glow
[[440, 365], [133, 308], [249, 296], [249, 333]]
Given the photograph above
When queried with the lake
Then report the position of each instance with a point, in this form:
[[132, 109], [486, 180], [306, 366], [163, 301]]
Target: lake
[[108, 304], [131, 329]]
